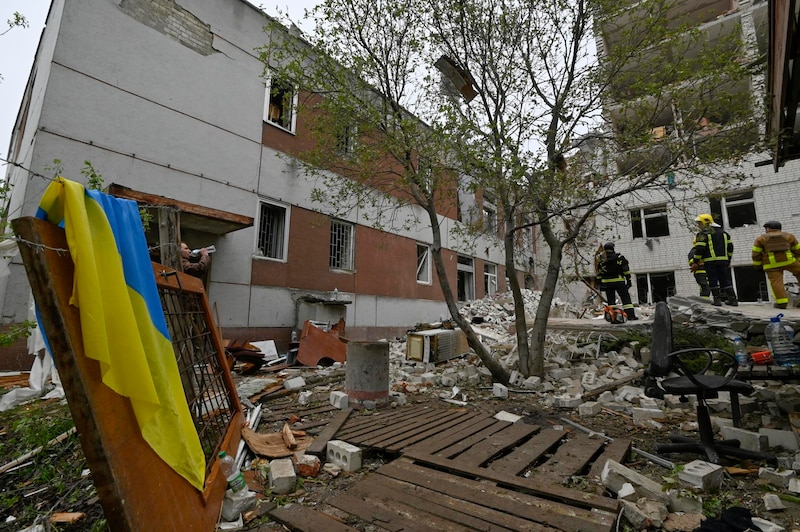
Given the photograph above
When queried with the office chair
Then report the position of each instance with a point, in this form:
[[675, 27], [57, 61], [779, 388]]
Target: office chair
[[702, 372]]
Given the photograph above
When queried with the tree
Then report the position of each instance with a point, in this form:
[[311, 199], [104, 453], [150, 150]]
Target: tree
[[542, 120]]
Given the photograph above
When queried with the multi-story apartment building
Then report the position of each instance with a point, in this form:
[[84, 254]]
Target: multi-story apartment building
[[168, 102], [655, 229]]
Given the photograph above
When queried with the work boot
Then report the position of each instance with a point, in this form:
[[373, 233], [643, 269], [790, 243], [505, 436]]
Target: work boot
[[717, 295], [731, 297], [631, 314]]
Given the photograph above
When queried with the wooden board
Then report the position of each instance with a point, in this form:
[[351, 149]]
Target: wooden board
[[115, 450]]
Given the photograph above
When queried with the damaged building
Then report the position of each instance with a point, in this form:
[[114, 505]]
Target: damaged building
[[168, 102]]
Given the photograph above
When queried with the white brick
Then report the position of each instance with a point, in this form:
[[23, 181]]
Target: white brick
[[339, 400], [344, 455], [282, 478]]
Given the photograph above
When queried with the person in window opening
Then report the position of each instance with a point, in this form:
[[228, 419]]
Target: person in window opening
[[197, 267], [713, 246], [698, 268], [773, 252], [614, 276]]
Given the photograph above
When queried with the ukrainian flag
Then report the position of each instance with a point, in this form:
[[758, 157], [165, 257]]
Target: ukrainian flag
[[122, 320]]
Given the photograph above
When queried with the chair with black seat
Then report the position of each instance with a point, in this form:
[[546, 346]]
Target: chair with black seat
[[702, 372]]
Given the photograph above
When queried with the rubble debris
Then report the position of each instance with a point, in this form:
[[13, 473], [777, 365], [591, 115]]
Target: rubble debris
[[273, 445], [318, 346]]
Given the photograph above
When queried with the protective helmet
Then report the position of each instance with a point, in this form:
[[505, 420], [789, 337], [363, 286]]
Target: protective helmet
[[705, 219], [608, 246], [773, 224]]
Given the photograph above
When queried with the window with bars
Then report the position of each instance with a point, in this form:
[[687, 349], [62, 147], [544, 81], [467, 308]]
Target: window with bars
[[341, 257], [423, 264], [272, 229]]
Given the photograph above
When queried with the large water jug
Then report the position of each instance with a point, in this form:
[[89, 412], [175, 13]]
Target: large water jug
[[779, 340]]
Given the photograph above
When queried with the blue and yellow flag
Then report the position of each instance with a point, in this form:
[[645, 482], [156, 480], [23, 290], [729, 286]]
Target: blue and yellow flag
[[122, 320]]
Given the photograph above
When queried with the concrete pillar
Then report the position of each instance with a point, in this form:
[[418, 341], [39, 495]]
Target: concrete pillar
[[367, 374]]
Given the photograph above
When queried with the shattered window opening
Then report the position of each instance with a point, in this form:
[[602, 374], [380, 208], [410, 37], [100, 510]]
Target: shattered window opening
[[281, 104], [423, 263], [490, 278], [734, 210], [272, 227], [649, 222]]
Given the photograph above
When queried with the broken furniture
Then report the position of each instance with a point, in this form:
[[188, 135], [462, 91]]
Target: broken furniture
[[137, 489], [321, 345], [702, 372]]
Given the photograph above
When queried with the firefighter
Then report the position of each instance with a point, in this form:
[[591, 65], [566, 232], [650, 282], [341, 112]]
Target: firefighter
[[699, 272], [714, 248], [775, 252], [614, 276]]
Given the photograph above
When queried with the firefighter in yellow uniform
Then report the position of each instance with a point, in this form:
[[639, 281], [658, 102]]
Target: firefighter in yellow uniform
[[774, 252], [698, 268]]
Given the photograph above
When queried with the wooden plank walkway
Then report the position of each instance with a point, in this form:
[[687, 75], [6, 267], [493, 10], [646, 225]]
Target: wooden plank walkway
[[460, 469]]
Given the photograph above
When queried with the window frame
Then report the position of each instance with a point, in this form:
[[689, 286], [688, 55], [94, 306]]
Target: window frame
[[743, 200], [424, 268], [292, 121], [639, 217], [490, 281], [335, 262], [259, 252], [489, 214]]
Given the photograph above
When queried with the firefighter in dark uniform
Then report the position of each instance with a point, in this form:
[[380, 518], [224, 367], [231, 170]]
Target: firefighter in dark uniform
[[774, 252], [698, 268], [614, 276], [714, 248]]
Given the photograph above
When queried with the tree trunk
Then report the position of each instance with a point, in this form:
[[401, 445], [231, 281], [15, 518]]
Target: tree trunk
[[519, 303], [499, 373]]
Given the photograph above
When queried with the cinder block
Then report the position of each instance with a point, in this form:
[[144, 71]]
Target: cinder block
[[776, 478], [787, 439], [591, 408], [702, 474], [282, 478], [567, 402], [640, 414], [339, 400], [749, 440], [615, 475], [344, 455], [295, 383], [499, 390]]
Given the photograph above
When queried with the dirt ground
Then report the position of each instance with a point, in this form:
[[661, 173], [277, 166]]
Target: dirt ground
[[57, 479]]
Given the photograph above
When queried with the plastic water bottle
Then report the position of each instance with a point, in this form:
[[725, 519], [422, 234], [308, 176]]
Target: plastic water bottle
[[779, 340], [232, 474], [741, 351]]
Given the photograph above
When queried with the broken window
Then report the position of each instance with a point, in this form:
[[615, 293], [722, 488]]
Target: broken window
[[466, 278], [654, 287], [346, 139], [489, 278], [423, 264], [734, 210], [649, 222], [341, 245], [272, 229], [281, 104], [489, 214]]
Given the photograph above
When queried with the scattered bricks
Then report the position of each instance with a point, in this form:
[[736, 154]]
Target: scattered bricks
[[531, 383], [507, 416], [588, 379], [772, 502], [644, 355], [630, 394], [397, 398], [632, 362], [591, 408], [776, 478], [648, 402], [605, 397], [447, 381], [474, 378], [680, 502], [344, 455], [640, 414], [304, 397], [702, 474], [499, 390], [282, 478], [560, 373], [627, 493], [679, 522], [645, 514], [565, 401], [339, 400], [786, 439], [748, 405], [308, 465], [515, 378], [749, 440], [295, 383], [794, 485], [614, 475], [429, 377], [766, 526]]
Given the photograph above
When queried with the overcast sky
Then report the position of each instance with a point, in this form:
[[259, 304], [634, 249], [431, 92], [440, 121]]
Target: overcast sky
[[18, 48]]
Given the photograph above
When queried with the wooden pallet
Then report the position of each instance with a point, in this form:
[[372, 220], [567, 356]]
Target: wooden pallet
[[464, 470]]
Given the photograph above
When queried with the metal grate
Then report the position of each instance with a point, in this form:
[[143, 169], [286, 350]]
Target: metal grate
[[271, 230], [341, 245], [200, 368]]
